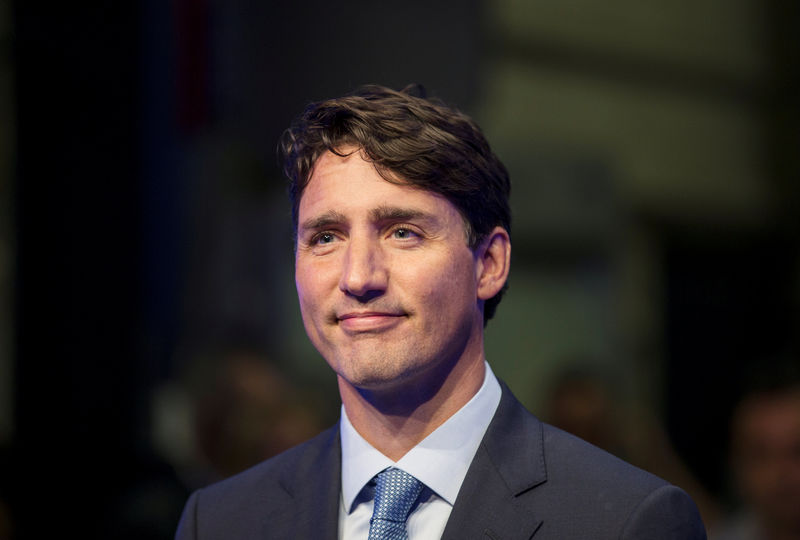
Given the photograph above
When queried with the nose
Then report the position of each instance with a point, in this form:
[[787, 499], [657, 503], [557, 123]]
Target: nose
[[364, 272]]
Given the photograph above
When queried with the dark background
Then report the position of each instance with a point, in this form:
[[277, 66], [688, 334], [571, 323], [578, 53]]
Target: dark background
[[140, 128]]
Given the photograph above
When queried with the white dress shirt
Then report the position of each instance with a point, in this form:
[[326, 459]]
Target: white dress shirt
[[440, 461]]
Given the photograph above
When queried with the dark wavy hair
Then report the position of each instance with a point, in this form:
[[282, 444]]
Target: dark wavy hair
[[411, 140]]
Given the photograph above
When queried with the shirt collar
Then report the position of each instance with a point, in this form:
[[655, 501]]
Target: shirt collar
[[440, 461]]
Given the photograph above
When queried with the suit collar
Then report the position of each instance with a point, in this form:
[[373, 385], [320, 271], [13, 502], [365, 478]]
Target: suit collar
[[440, 461], [515, 444], [509, 463], [314, 487]]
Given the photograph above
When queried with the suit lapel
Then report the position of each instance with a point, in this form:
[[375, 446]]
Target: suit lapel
[[313, 486], [509, 463]]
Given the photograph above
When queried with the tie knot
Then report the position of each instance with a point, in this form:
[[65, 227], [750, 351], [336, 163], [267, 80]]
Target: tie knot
[[395, 494]]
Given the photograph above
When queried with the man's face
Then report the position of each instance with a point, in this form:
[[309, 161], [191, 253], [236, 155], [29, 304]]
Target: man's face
[[386, 282], [767, 457]]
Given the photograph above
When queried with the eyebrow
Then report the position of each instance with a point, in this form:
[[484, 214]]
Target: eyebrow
[[381, 213], [396, 213], [331, 217]]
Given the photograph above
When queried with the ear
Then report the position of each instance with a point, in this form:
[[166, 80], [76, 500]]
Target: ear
[[493, 259]]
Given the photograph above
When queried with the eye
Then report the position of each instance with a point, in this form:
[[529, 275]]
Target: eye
[[324, 238], [402, 233]]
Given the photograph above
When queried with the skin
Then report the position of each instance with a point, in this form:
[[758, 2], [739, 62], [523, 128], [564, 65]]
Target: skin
[[392, 297]]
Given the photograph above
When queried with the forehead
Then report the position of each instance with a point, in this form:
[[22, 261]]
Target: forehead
[[351, 183]]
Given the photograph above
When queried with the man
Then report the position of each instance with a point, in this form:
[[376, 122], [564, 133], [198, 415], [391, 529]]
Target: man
[[765, 456], [402, 254]]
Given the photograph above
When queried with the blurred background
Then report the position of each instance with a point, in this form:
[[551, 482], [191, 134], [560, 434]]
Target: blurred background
[[150, 339]]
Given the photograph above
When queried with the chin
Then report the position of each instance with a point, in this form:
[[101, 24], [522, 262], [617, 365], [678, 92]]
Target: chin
[[377, 373]]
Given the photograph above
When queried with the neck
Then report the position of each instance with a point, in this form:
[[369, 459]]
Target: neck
[[395, 420]]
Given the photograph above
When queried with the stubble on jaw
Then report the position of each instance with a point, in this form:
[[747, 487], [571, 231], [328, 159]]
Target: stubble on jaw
[[396, 383], [395, 418]]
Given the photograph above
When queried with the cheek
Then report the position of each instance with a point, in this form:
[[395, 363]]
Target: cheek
[[311, 278], [445, 288], [458, 277], [308, 292], [302, 289]]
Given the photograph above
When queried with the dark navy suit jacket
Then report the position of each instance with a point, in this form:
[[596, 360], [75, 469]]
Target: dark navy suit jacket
[[527, 480]]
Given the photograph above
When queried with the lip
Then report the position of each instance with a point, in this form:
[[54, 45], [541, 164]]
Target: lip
[[369, 321]]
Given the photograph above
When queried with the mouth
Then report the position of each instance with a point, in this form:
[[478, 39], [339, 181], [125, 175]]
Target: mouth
[[369, 321]]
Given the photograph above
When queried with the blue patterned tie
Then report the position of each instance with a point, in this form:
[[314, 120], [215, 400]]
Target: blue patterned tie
[[395, 494]]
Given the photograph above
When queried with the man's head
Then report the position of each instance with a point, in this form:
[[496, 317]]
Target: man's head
[[410, 140], [766, 449], [400, 213]]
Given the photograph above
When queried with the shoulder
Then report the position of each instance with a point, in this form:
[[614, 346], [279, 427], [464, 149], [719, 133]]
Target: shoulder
[[243, 501], [556, 457], [577, 487], [269, 475], [633, 502], [573, 460]]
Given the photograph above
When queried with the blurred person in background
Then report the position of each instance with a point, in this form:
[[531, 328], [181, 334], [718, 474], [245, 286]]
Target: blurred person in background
[[765, 457], [230, 409], [402, 220], [249, 412]]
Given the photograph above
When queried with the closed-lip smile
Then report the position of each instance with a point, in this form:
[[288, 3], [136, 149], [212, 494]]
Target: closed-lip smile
[[368, 321]]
